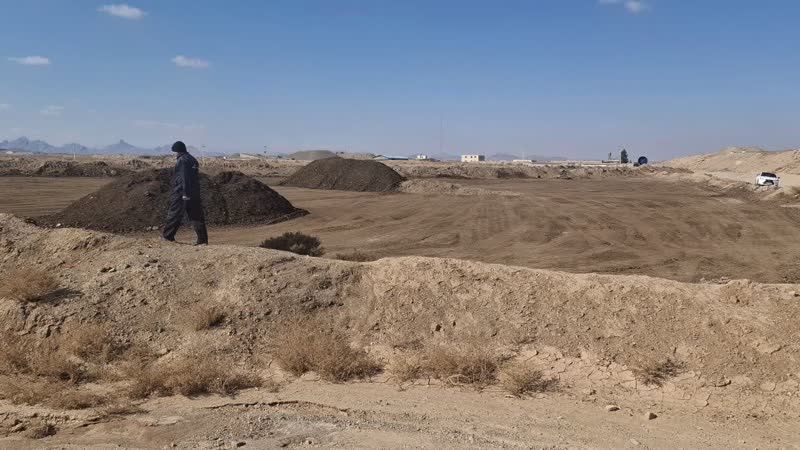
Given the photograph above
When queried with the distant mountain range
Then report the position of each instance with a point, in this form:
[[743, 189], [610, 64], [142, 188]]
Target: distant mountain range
[[121, 147]]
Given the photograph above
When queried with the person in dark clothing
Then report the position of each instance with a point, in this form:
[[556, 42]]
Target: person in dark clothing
[[185, 197]]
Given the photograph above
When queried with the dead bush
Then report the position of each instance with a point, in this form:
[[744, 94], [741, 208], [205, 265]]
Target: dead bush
[[520, 379], [295, 242], [25, 390], [355, 256], [39, 429], [189, 375], [28, 284], [75, 399], [405, 367], [657, 373], [467, 364], [14, 351], [305, 345], [91, 342], [201, 317]]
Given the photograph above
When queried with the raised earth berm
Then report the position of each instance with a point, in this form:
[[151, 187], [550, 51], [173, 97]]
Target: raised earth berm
[[139, 201], [346, 175]]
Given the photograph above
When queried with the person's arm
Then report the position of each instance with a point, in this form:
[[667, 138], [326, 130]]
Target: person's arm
[[182, 170]]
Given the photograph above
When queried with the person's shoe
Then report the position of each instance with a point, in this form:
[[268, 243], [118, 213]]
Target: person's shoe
[[167, 239], [200, 243]]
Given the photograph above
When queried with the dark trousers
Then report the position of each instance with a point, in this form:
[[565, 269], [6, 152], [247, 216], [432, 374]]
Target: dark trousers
[[194, 210]]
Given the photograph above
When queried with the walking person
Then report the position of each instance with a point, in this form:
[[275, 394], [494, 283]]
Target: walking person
[[185, 197]]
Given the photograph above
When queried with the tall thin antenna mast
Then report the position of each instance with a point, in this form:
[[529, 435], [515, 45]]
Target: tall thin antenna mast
[[441, 133]]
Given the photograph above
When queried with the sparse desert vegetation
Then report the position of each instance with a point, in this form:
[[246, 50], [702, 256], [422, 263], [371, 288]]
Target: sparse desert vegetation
[[520, 379], [28, 284], [658, 372], [308, 344]]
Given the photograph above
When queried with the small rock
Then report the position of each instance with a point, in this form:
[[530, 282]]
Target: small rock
[[238, 444], [58, 225], [650, 415], [18, 427], [611, 408], [112, 270], [634, 441], [588, 391], [105, 269]]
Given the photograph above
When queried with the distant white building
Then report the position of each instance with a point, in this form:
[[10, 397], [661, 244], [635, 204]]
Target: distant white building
[[473, 158], [423, 157]]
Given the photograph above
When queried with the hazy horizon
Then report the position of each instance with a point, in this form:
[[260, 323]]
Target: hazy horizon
[[577, 79]]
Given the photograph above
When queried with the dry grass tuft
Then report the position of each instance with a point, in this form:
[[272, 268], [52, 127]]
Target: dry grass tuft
[[56, 394], [356, 256], [656, 374], [28, 285], [201, 317], [520, 379], [199, 372], [39, 429], [305, 345], [14, 352], [91, 342], [468, 364], [24, 356], [406, 367]]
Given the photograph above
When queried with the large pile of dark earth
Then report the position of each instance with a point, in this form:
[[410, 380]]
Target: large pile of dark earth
[[139, 202], [346, 175]]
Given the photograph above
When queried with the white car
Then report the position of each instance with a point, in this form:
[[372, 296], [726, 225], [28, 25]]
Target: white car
[[767, 179]]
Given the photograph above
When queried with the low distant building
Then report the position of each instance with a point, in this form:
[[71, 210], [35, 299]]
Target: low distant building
[[473, 158], [422, 157], [390, 158]]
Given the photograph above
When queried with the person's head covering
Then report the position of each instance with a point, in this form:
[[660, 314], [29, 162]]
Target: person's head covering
[[179, 147]]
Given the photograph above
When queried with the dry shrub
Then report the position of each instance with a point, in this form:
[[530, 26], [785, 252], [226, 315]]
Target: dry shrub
[[29, 391], [198, 372], [405, 367], [91, 342], [39, 429], [521, 379], [201, 317], [14, 351], [304, 345], [657, 373], [471, 363], [295, 242], [356, 256], [76, 399], [28, 284], [22, 355]]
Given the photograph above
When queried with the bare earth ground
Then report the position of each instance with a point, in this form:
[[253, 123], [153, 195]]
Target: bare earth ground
[[640, 226], [739, 388]]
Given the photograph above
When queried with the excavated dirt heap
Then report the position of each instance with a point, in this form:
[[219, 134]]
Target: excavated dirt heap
[[736, 342], [346, 175], [139, 201]]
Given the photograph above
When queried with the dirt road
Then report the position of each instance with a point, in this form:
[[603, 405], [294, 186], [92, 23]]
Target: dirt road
[[311, 414], [616, 225]]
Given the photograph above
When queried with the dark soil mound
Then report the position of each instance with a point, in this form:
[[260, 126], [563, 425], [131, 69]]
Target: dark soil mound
[[73, 169], [139, 201], [346, 175]]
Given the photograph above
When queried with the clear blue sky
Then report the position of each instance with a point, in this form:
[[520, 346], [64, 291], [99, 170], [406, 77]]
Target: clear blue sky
[[576, 78]]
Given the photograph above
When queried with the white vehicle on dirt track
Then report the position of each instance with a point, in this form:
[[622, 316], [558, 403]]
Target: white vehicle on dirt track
[[767, 179]]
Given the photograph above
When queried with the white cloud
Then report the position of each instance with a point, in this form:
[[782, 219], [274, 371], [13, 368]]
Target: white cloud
[[52, 110], [192, 63], [4, 106], [30, 60], [633, 6], [168, 125], [123, 10]]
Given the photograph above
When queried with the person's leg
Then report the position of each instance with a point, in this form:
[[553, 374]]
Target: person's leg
[[194, 209], [174, 218]]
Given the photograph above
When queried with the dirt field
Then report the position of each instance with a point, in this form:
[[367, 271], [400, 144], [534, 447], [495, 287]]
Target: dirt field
[[637, 226]]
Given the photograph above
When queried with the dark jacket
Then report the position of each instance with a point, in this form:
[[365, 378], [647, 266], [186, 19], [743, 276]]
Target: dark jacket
[[186, 180]]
